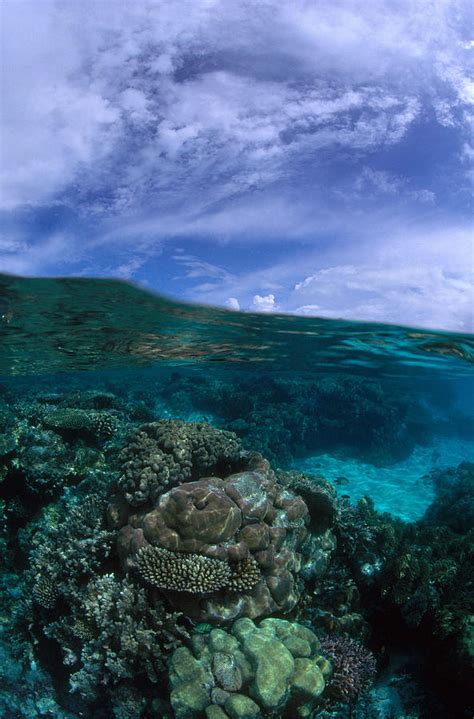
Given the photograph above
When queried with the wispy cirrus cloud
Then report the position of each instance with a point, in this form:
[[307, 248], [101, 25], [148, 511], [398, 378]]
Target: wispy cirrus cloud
[[145, 127], [128, 103]]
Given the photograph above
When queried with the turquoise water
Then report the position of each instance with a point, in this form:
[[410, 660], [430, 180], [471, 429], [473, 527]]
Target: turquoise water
[[343, 507]]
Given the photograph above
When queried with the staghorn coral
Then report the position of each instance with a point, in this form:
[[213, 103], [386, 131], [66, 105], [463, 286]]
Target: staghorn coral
[[163, 454], [353, 667], [125, 636]]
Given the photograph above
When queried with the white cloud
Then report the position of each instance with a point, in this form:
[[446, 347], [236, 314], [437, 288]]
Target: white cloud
[[265, 303], [222, 120], [421, 280], [19, 256], [232, 303], [147, 102], [196, 268], [372, 183], [421, 276]]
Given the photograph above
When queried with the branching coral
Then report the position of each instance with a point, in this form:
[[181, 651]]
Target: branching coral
[[353, 666], [45, 591], [282, 417], [122, 635], [193, 573], [454, 503], [163, 454], [73, 548], [244, 576], [110, 630]]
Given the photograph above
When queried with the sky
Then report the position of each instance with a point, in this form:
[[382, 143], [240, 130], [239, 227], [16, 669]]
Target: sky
[[311, 157]]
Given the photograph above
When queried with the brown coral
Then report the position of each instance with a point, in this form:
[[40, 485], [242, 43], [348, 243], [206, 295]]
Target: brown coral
[[246, 519], [245, 575], [182, 572], [45, 591], [163, 454]]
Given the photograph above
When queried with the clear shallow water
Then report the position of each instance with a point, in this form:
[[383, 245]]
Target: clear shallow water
[[363, 410]]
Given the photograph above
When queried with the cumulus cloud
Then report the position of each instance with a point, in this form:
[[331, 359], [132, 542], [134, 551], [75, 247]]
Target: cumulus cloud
[[232, 303], [265, 303]]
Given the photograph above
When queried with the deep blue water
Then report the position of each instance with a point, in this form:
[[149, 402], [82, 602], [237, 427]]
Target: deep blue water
[[369, 427]]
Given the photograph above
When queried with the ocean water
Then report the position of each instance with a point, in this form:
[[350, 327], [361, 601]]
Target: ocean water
[[215, 514]]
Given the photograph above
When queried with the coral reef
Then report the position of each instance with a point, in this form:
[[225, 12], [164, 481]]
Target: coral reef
[[163, 454], [353, 666], [248, 524], [284, 418], [108, 630], [454, 503], [121, 636], [270, 669], [319, 495], [140, 559]]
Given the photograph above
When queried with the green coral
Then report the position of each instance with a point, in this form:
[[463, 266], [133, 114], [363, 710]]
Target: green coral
[[272, 668]]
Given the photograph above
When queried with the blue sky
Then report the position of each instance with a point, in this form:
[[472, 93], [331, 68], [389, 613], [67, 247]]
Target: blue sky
[[309, 157]]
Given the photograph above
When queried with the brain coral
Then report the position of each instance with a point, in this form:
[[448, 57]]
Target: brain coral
[[273, 669], [245, 519]]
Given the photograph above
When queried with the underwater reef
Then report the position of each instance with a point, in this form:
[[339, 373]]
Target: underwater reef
[[283, 418], [158, 567]]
